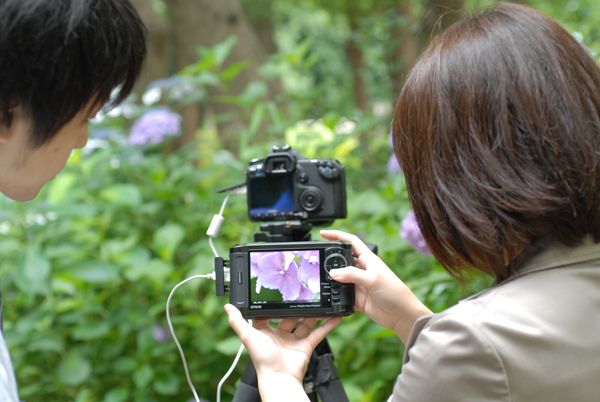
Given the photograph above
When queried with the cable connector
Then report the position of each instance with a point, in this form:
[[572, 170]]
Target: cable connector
[[222, 276], [215, 226]]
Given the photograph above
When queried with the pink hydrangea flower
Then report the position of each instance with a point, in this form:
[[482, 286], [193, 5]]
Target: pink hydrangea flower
[[411, 232]]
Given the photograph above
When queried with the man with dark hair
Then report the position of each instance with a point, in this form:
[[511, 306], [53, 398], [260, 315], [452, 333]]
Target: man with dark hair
[[60, 62]]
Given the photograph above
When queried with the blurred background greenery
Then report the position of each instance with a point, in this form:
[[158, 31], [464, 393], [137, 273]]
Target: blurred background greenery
[[87, 267]]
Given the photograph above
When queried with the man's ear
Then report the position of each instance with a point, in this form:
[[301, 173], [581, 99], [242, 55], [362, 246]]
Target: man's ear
[[9, 123], [5, 129]]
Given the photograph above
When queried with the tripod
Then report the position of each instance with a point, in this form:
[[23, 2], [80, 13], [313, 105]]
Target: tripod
[[321, 376]]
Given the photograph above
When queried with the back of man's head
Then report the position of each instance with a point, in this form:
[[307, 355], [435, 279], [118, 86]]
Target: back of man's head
[[57, 55]]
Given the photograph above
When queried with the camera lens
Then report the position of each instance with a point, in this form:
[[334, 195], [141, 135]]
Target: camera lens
[[310, 199]]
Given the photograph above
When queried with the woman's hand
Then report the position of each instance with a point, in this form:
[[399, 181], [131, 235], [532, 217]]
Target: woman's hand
[[379, 292], [280, 355]]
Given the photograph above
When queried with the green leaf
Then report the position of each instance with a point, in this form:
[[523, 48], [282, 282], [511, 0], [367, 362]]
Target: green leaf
[[125, 364], [166, 385], [254, 91], [143, 376], [167, 239], [112, 248], [235, 69], [155, 270], [123, 194], [223, 50], [96, 271], [74, 369], [47, 344], [31, 271], [91, 330], [256, 119], [229, 346], [60, 187], [9, 245], [120, 394], [206, 78]]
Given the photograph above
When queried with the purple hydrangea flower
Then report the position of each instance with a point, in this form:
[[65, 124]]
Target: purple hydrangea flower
[[160, 334], [308, 271], [306, 293], [278, 271], [392, 165], [154, 126], [412, 234]]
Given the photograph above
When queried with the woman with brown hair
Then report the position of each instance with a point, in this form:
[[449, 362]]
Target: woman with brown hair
[[497, 130]]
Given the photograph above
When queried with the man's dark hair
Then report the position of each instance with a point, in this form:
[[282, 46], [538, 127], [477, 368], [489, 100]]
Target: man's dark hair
[[497, 130], [57, 55]]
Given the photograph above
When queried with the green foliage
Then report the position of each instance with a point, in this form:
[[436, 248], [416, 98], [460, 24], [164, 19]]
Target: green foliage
[[88, 266]]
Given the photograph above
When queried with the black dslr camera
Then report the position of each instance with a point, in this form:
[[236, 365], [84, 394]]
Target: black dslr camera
[[287, 186], [286, 274]]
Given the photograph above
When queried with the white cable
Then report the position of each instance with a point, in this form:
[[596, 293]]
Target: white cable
[[187, 373], [213, 246], [226, 376], [224, 203], [212, 232]]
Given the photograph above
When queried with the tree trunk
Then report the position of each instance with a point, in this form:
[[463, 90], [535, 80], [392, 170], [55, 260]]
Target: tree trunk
[[260, 15], [406, 52], [356, 60], [207, 23], [158, 31]]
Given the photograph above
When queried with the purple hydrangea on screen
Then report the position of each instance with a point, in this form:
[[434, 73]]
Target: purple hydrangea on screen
[[154, 127], [411, 232], [255, 268], [308, 271], [306, 293], [277, 271]]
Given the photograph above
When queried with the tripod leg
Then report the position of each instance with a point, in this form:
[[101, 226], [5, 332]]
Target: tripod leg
[[247, 391], [324, 376]]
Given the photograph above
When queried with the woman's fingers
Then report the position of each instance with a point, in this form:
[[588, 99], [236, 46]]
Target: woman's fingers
[[320, 332], [359, 247], [287, 325]]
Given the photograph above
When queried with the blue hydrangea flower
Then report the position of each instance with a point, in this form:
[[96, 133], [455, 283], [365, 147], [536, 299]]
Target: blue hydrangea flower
[[411, 232], [154, 127]]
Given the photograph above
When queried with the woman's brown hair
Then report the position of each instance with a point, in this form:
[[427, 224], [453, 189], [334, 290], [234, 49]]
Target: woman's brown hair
[[497, 130]]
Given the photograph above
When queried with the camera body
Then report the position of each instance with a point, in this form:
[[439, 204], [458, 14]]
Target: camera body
[[290, 279], [286, 186]]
